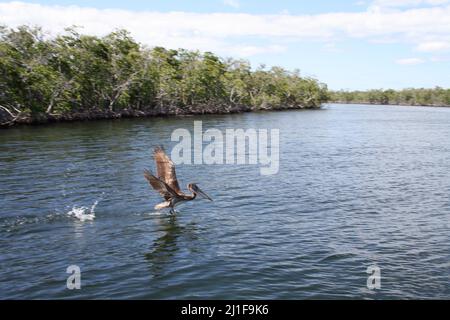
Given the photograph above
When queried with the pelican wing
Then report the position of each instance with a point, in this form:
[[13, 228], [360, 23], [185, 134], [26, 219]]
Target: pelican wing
[[164, 190], [165, 169]]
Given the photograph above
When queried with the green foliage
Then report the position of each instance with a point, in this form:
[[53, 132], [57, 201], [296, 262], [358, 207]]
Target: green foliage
[[424, 97], [75, 73]]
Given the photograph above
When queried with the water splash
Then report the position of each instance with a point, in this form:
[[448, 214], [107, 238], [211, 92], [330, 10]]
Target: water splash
[[83, 213], [157, 213], [154, 213]]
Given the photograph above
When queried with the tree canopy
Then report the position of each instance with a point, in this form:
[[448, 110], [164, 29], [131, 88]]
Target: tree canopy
[[72, 74], [423, 97]]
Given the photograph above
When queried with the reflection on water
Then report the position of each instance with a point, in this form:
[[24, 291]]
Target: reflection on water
[[163, 248], [358, 186]]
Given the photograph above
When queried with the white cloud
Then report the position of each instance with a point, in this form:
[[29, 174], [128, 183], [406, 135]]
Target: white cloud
[[392, 6], [408, 3], [225, 32], [434, 46], [247, 51], [232, 3], [440, 58], [410, 61], [331, 47]]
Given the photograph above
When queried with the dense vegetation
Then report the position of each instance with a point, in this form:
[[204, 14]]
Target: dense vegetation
[[423, 97], [75, 76]]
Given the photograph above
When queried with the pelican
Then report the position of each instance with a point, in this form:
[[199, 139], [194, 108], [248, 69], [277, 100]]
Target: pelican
[[167, 184]]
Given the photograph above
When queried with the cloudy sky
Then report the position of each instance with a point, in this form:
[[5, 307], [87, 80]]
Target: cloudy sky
[[348, 44]]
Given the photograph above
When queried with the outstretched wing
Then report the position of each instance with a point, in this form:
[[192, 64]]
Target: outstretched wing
[[166, 191], [165, 169]]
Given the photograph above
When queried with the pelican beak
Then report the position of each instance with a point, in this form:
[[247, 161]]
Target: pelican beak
[[204, 195]]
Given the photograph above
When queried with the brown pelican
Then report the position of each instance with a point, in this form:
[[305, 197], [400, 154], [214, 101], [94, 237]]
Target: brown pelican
[[167, 184]]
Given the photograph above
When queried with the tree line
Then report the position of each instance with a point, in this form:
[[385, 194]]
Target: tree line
[[78, 76], [422, 97]]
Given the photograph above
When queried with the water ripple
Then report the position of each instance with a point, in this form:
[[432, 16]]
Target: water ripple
[[357, 187]]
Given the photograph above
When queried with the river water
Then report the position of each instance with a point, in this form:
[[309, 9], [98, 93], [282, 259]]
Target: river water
[[358, 187]]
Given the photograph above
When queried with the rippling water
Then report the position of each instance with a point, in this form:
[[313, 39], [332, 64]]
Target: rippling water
[[358, 186]]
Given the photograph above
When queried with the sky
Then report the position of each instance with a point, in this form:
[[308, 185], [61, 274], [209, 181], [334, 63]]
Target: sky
[[347, 44]]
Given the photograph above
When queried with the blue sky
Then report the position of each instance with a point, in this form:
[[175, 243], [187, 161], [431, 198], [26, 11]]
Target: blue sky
[[346, 44]]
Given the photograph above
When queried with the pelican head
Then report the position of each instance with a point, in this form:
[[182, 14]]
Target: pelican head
[[196, 190]]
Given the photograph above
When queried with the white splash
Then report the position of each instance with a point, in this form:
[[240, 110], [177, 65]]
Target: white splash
[[83, 213], [156, 213]]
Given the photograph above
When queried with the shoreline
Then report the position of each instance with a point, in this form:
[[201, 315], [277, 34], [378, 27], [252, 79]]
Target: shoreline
[[391, 104], [96, 114]]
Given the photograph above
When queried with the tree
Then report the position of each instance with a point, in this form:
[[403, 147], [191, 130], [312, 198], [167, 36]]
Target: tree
[[73, 73]]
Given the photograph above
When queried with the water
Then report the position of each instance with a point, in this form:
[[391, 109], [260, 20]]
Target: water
[[358, 186]]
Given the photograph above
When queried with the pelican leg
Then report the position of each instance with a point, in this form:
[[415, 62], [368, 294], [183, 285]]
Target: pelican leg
[[172, 210]]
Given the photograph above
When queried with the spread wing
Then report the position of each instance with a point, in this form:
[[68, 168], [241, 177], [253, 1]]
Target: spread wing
[[166, 191], [165, 169]]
